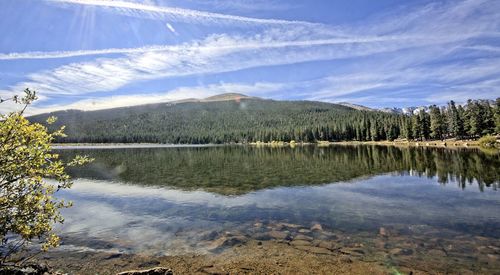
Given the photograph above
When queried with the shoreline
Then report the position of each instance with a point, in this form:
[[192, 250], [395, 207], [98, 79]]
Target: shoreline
[[471, 144], [62, 146], [431, 143]]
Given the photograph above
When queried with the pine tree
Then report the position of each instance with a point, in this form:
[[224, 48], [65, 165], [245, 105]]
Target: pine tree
[[462, 125], [392, 133], [408, 129], [475, 115], [416, 127], [374, 130], [488, 118], [426, 124], [437, 123], [497, 116], [455, 120]]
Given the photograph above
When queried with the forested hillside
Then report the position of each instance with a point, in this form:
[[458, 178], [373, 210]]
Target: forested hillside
[[247, 119]]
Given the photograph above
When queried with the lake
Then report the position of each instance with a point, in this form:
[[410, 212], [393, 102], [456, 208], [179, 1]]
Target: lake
[[433, 208]]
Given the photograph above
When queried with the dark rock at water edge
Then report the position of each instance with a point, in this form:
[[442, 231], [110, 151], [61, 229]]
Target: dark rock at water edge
[[149, 263], [30, 269], [153, 271]]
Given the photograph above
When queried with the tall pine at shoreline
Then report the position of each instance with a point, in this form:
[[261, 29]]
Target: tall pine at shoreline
[[497, 115]]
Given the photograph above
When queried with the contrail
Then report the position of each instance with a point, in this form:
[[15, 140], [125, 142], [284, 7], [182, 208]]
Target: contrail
[[176, 48], [66, 54], [180, 13]]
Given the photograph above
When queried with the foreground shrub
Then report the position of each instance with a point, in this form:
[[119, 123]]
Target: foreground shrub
[[28, 208], [488, 142]]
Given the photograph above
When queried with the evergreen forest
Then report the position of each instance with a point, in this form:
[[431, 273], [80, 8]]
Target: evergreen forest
[[253, 119]]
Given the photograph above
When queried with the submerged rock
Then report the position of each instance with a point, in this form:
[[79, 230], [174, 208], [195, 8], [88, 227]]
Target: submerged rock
[[314, 249], [149, 263], [357, 252], [261, 236], [493, 257], [280, 235], [327, 244], [302, 237], [153, 271], [300, 243], [210, 236], [436, 253], [304, 231], [401, 251], [346, 259], [113, 256], [224, 242], [317, 227], [289, 225], [258, 224], [395, 251], [211, 269], [382, 232]]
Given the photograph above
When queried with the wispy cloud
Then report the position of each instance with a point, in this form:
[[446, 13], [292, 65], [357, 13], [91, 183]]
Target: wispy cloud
[[246, 5], [452, 81], [213, 42], [423, 47], [449, 81], [215, 54]]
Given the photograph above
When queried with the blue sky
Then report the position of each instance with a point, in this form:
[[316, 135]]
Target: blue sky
[[94, 54]]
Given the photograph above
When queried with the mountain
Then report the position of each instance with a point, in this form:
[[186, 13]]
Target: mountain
[[356, 106], [228, 96], [220, 97], [393, 110], [364, 108], [223, 118]]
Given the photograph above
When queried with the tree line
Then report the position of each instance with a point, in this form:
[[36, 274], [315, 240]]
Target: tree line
[[251, 120], [475, 119]]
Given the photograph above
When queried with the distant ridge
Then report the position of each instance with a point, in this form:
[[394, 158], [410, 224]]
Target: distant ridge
[[224, 118], [356, 106], [219, 97], [227, 96]]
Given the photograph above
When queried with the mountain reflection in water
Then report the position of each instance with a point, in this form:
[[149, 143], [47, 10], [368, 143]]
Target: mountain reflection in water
[[391, 205], [232, 170]]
